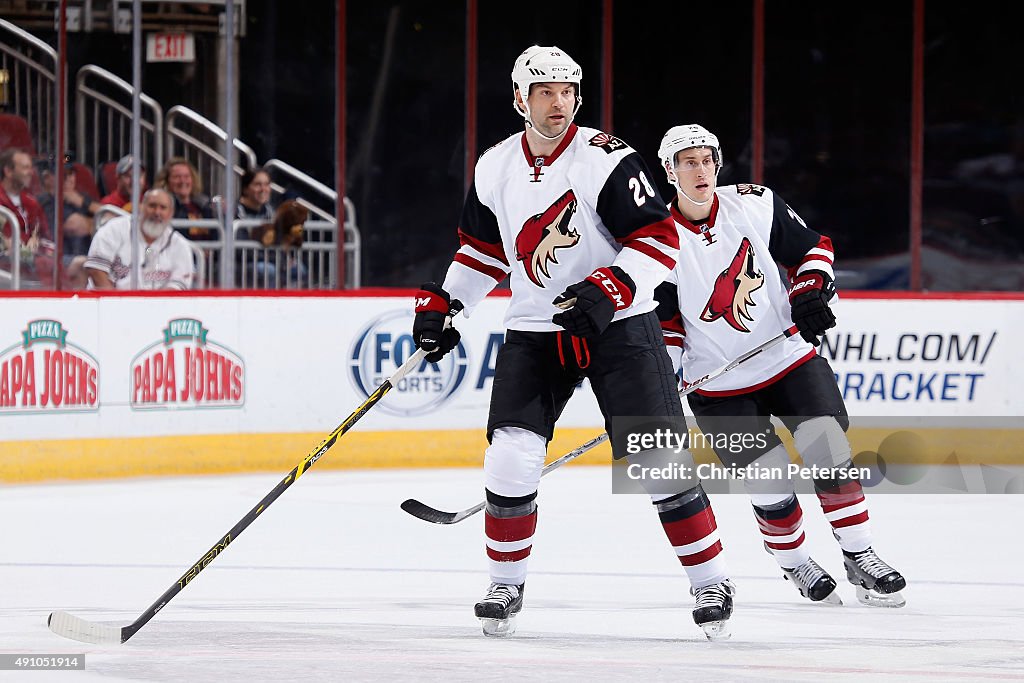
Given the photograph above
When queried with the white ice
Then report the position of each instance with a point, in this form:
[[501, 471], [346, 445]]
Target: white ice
[[335, 582]]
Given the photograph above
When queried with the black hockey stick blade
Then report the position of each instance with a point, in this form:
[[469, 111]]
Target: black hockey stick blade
[[435, 516]]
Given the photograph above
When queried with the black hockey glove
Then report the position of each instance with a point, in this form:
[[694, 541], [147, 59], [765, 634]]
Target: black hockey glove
[[433, 306], [808, 298], [590, 305]]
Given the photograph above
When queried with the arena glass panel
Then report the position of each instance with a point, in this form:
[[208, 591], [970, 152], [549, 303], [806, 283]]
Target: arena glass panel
[[973, 213], [667, 75], [837, 125]]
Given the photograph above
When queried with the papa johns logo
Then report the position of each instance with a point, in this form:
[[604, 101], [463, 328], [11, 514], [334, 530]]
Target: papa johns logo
[[186, 370], [381, 348], [44, 372]]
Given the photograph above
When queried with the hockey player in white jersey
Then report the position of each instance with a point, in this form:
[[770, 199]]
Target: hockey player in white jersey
[[727, 296], [166, 257], [570, 215]]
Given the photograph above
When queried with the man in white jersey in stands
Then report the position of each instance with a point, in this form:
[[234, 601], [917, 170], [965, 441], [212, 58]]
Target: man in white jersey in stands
[[166, 257], [725, 297], [570, 215]]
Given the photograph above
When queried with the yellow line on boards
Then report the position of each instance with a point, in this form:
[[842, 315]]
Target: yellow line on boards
[[54, 460]]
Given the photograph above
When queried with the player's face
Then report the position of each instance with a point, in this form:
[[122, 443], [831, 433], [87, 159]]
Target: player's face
[[551, 106], [695, 171]]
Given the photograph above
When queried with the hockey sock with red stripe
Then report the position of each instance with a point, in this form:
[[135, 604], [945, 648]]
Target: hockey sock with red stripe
[[509, 525], [845, 508], [781, 526], [690, 526]]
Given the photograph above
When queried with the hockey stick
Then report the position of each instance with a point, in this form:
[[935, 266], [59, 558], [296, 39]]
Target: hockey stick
[[435, 516], [76, 628]]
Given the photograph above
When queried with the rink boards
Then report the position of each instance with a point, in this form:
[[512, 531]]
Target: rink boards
[[95, 387]]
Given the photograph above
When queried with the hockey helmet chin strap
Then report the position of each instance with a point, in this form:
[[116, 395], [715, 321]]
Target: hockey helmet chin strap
[[674, 179], [525, 113]]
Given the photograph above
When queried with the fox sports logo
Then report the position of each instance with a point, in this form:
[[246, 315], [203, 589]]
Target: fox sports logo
[[383, 346]]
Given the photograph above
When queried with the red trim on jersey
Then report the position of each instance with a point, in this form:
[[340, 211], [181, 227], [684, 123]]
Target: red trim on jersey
[[663, 231], [759, 385], [808, 260], [703, 556], [687, 223], [652, 252], [549, 159], [492, 249], [674, 324], [504, 529], [674, 341], [792, 545], [491, 271], [514, 556]]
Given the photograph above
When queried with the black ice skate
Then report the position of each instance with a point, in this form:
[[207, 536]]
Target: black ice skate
[[813, 582], [878, 584], [714, 607], [498, 609]]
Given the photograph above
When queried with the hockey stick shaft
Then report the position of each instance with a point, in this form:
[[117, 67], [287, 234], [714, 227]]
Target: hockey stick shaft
[[429, 514], [73, 627]]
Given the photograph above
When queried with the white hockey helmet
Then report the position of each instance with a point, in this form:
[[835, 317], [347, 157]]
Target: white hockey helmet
[[689, 136], [543, 65]]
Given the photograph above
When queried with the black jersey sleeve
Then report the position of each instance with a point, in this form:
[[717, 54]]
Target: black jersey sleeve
[[794, 245], [480, 245], [629, 203]]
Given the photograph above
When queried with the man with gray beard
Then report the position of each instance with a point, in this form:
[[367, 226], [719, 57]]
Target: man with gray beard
[[166, 257]]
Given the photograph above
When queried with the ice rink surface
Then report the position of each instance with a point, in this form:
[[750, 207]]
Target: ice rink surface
[[335, 582]]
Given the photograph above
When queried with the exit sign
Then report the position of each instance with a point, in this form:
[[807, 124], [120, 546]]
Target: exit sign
[[170, 47]]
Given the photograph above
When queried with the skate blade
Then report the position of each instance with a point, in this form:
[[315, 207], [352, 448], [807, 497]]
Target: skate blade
[[876, 599], [716, 630], [498, 628], [832, 599]]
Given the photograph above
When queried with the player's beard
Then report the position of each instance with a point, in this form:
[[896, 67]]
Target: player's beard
[[153, 229]]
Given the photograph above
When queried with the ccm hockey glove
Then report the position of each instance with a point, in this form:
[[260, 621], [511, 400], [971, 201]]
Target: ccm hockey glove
[[590, 305], [808, 299], [433, 305]]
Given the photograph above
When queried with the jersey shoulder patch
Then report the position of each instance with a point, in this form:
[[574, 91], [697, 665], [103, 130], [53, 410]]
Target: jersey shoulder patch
[[750, 188], [607, 142]]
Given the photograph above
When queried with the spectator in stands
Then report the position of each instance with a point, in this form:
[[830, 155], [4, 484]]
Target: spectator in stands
[[254, 199], [181, 179], [167, 260], [36, 247], [121, 195], [78, 225], [78, 208]]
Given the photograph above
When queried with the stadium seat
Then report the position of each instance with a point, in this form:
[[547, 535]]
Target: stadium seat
[[108, 177], [85, 181], [14, 132]]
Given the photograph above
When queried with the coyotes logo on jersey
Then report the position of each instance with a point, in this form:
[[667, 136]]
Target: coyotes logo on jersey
[[733, 287], [545, 232]]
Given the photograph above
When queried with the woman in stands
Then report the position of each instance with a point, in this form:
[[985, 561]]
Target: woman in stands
[[181, 179]]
